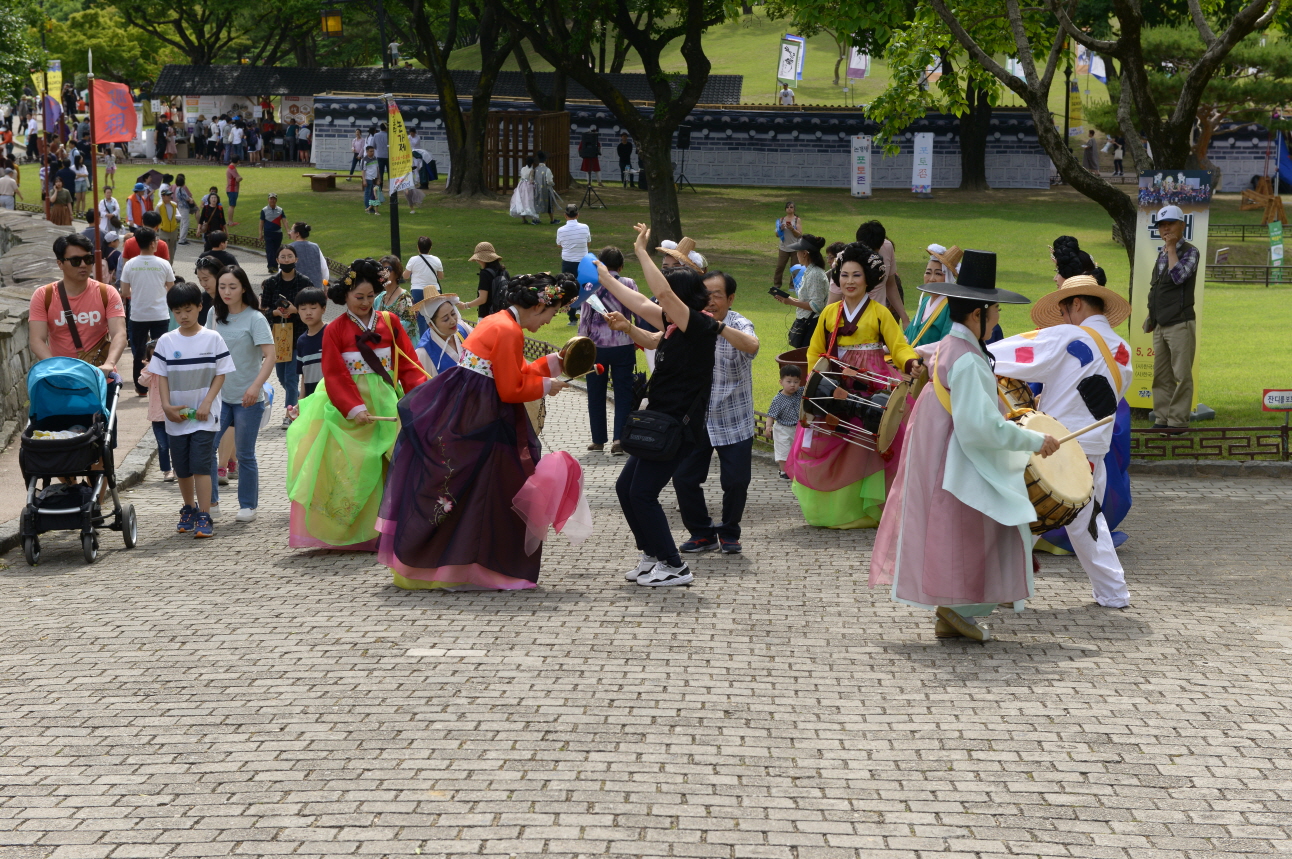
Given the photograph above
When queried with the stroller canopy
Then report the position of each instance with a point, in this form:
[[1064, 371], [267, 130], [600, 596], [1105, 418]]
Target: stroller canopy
[[66, 386]]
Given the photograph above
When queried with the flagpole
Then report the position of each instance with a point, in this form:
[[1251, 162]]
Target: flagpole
[[44, 119], [94, 184]]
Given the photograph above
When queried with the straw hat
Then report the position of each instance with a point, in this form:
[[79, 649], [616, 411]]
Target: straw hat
[[976, 281], [949, 257], [484, 253], [682, 253], [1046, 310]]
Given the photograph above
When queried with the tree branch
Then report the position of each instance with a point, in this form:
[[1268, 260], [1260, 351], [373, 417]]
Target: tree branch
[[1200, 22], [1079, 36], [984, 59]]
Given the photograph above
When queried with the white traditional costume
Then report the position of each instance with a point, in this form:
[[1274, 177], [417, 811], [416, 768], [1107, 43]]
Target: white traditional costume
[[1086, 371]]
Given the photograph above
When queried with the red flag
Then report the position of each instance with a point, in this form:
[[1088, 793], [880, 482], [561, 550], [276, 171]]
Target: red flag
[[114, 112]]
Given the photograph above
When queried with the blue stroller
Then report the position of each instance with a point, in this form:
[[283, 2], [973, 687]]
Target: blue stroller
[[66, 455]]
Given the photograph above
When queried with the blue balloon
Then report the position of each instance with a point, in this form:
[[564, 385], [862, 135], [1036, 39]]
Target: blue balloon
[[588, 269]]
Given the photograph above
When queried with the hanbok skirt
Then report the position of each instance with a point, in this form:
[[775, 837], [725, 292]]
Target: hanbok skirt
[[447, 519], [336, 469], [838, 484], [522, 201], [933, 548]]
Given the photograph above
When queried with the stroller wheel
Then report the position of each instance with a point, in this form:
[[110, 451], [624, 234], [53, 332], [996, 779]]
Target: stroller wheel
[[129, 526], [31, 550], [89, 547]]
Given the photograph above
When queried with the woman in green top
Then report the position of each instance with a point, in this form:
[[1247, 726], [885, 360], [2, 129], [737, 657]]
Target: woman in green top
[[932, 321], [394, 298]]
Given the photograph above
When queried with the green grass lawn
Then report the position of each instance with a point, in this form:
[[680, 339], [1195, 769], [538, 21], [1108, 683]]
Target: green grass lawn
[[750, 45], [734, 228]]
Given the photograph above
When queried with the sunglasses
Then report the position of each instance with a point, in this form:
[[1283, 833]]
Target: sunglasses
[[88, 259]]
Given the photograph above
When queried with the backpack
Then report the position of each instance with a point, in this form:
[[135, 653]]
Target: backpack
[[498, 292]]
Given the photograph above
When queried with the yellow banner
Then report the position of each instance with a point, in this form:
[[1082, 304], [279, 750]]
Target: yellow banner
[[401, 151], [54, 72]]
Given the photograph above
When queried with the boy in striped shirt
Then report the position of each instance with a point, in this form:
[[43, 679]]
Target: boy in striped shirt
[[310, 304], [190, 364]]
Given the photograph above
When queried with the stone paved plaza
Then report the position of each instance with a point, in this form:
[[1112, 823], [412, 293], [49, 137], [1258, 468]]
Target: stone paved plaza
[[236, 698]]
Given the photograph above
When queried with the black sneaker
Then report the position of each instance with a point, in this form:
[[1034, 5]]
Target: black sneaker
[[782, 475], [695, 545], [729, 547]]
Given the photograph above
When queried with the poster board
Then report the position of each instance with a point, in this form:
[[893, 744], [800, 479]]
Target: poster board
[[789, 65], [1191, 191], [859, 180], [922, 164]]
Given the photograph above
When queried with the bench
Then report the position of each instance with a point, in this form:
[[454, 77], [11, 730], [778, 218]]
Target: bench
[[321, 181]]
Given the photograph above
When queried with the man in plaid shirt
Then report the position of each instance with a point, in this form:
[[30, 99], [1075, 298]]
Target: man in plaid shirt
[[730, 423]]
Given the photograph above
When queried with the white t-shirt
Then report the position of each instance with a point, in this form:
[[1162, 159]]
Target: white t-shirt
[[147, 277], [786, 96], [304, 133], [235, 136], [424, 270], [108, 208], [190, 365], [573, 239]]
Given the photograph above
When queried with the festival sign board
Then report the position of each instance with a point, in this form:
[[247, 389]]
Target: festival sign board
[[789, 65], [1190, 190], [858, 64], [922, 164], [860, 178], [401, 151]]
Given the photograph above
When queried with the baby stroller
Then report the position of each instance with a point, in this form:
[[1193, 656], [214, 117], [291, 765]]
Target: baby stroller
[[71, 429]]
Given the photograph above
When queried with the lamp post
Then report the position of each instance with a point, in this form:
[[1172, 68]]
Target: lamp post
[[331, 25]]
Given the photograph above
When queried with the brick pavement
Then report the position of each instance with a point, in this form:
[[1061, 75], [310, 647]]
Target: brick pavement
[[235, 698]]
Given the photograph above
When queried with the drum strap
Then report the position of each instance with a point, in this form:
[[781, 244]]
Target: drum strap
[[1113, 369], [944, 394], [933, 315]]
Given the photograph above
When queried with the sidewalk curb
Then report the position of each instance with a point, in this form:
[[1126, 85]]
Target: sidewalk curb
[[1223, 468], [131, 473]]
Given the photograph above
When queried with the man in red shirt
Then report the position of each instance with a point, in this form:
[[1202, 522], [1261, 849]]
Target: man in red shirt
[[93, 311], [130, 250]]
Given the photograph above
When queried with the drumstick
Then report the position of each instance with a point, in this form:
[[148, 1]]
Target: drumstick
[[1096, 425], [381, 418]]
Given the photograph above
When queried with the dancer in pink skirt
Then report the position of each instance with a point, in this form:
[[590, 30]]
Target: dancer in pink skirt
[[954, 535]]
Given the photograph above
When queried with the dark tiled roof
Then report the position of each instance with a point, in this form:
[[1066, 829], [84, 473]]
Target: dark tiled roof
[[289, 80]]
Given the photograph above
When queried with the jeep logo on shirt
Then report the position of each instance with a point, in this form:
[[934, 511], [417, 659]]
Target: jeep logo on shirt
[[89, 317]]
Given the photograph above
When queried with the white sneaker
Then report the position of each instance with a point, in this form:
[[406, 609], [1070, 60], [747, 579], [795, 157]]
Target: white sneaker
[[246, 514], [664, 576], [215, 509], [644, 565]]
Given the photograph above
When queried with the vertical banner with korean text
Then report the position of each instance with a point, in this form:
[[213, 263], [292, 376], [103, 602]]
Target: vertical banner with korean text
[[1191, 191], [922, 164], [401, 151], [789, 65], [860, 179]]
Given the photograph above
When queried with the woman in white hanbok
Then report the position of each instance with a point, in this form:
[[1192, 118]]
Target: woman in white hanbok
[[522, 199]]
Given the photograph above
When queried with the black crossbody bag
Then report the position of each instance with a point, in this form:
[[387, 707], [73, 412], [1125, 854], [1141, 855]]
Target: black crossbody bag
[[653, 435]]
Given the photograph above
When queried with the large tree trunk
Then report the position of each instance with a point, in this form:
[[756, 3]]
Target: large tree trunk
[[974, 125], [656, 148]]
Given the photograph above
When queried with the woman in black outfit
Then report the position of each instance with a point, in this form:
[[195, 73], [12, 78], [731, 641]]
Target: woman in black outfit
[[491, 268], [679, 388]]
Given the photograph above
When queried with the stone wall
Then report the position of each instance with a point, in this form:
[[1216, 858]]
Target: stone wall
[[26, 262], [731, 146]]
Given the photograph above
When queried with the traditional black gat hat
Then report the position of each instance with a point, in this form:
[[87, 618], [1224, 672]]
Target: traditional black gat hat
[[976, 282]]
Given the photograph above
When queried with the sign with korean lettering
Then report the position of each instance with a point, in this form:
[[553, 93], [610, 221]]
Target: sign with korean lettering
[[860, 178], [1276, 400], [922, 164], [401, 151], [1276, 251]]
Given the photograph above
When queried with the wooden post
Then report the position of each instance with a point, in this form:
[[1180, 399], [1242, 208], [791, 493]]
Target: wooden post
[[94, 185]]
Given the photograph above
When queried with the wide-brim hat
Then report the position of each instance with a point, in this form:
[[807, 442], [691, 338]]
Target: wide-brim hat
[[1046, 311], [950, 257], [430, 305], [484, 253], [682, 253], [976, 282], [804, 245]]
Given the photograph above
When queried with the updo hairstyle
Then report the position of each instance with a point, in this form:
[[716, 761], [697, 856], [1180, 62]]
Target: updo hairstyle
[[360, 271], [1070, 260], [531, 290]]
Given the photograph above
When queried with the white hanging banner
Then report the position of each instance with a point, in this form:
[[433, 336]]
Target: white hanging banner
[[922, 164], [789, 67], [860, 180], [858, 64]]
